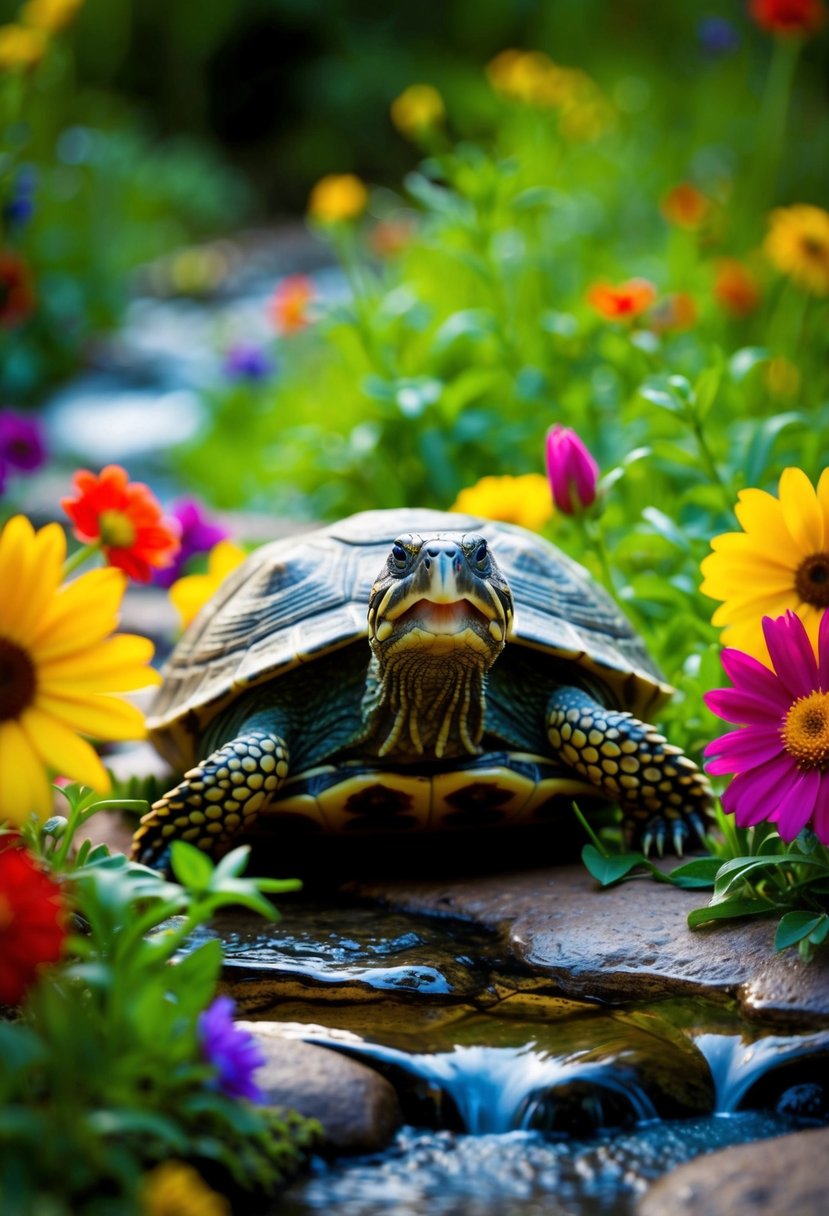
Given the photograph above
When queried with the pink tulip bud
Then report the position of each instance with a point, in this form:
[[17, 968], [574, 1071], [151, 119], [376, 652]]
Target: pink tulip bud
[[572, 471]]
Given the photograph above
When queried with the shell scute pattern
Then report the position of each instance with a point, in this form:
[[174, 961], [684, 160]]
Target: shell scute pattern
[[296, 598]]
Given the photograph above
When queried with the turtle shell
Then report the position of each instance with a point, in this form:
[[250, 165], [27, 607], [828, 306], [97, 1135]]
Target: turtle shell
[[295, 599]]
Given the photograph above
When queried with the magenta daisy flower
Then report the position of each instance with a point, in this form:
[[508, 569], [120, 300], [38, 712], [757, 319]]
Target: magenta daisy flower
[[780, 754]]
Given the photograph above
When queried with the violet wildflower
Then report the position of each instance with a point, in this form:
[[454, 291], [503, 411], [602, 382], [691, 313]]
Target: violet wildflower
[[572, 471], [245, 361], [780, 752], [232, 1051], [198, 535], [20, 207], [21, 441], [717, 36]]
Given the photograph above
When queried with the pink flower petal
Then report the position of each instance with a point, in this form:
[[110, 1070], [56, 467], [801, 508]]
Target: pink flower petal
[[823, 651], [820, 818], [752, 796], [742, 749], [794, 810], [753, 676], [791, 653], [744, 708]]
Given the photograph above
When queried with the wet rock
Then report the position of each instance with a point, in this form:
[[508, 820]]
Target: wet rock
[[358, 1109], [630, 942], [786, 1174]]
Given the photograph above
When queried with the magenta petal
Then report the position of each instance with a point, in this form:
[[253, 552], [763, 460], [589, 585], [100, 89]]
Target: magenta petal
[[742, 749], [752, 796], [753, 676], [791, 653], [794, 810], [738, 706], [820, 819], [823, 651]]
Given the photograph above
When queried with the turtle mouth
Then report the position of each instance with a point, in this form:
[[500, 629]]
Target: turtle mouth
[[447, 622], [441, 619]]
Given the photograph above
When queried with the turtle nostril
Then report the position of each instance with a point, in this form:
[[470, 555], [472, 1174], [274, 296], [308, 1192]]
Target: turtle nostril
[[433, 550]]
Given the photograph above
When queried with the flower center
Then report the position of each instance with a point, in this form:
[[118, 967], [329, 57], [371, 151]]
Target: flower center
[[811, 580], [806, 730], [117, 530], [18, 680], [814, 248]]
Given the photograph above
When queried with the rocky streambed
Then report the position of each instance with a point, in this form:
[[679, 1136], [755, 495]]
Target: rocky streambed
[[518, 1042]]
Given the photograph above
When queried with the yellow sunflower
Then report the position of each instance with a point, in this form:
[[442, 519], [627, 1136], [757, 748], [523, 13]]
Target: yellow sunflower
[[780, 560], [797, 243], [189, 594], [59, 669], [523, 500]]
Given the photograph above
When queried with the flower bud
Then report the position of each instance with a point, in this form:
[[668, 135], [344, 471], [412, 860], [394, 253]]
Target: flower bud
[[572, 471]]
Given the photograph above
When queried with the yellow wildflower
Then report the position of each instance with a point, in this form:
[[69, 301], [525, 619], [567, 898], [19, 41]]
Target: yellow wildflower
[[417, 109], [797, 244], [339, 196], [60, 672], [523, 500], [20, 47], [780, 560], [176, 1189], [189, 594], [49, 15]]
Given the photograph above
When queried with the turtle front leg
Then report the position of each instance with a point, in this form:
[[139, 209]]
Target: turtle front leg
[[216, 800], [664, 797]]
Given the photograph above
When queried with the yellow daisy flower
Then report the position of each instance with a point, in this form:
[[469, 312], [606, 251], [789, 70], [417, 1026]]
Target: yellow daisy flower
[[780, 560], [798, 245], [49, 15], [176, 1189], [59, 669], [337, 197], [20, 47], [189, 594], [523, 500], [418, 108]]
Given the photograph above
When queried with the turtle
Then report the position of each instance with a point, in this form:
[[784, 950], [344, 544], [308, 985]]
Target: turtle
[[403, 670]]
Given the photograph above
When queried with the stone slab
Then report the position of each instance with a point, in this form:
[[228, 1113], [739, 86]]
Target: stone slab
[[629, 942], [766, 1178]]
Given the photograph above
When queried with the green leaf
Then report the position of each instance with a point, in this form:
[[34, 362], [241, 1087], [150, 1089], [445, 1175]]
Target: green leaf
[[698, 873], [191, 866], [795, 926], [609, 870], [661, 397], [732, 909], [739, 868], [744, 361], [193, 977]]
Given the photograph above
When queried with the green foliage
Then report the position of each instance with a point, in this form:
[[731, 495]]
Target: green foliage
[[103, 1074]]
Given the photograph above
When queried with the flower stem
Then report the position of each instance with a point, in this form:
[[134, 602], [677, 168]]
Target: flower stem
[[771, 124], [80, 555]]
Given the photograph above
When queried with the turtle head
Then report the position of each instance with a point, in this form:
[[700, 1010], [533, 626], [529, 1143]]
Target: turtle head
[[440, 596]]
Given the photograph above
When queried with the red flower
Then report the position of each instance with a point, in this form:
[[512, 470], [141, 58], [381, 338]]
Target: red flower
[[736, 289], [125, 516], [788, 16], [31, 921], [17, 296], [622, 301], [685, 206], [288, 306]]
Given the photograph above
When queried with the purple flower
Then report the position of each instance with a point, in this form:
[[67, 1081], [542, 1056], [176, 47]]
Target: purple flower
[[246, 362], [717, 36], [232, 1051], [781, 751], [3, 475], [572, 471], [198, 535], [20, 207], [21, 441]]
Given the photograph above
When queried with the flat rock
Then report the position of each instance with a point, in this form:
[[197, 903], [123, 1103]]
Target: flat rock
[[629, 942], [358, 1109], [766, 1178]]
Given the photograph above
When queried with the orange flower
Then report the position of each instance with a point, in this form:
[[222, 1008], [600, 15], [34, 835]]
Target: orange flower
[[788, 17], [675, 312], [125, 518], [736, 289], [17, 297], [622, 301], [32, 928], [685, 206], [390, 236], [288, 306]]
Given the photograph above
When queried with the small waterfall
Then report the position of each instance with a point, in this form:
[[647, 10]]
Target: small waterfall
[[737, 1065]]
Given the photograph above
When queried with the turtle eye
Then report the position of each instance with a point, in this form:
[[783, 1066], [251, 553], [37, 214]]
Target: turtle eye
[[481, 555], [399, 555]]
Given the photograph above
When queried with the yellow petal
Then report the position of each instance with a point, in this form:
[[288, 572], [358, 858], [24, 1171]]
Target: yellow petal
[[24, 787], [30, 570], [81, 614], [761, 517], [823, 502], [729, 574], [189, 595], [799, 505], [749, 638], [120, 664], [754, 606], [102, 717], [63, 750], [224, 558]]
